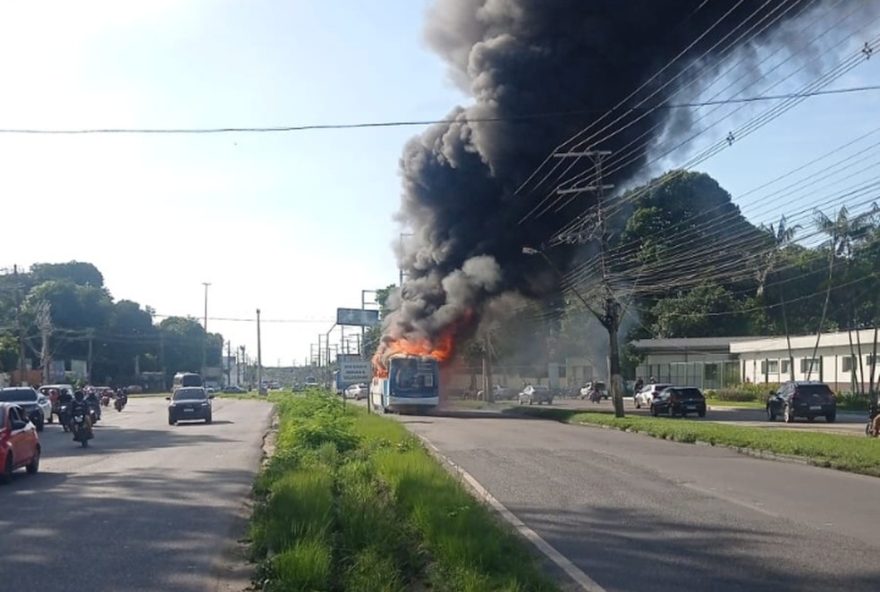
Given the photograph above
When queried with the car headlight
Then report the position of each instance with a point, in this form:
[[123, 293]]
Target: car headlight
[[205, 404]]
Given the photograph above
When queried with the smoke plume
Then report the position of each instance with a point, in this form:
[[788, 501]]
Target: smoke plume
[[546, 69]]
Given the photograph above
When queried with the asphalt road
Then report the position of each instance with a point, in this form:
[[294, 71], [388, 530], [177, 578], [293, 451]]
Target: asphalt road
[[147, 507], [637, 513]]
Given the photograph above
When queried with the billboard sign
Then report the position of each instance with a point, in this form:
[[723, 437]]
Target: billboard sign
[[353, 369], [357, 317]]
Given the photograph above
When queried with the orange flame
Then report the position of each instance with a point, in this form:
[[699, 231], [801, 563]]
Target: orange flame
[[441, 350]]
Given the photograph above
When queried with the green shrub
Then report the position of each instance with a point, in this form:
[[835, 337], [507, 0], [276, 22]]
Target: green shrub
[[305, 567], [729, 394], [299, 506]]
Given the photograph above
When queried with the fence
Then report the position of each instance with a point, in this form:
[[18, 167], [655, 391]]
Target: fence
[[703, 375]]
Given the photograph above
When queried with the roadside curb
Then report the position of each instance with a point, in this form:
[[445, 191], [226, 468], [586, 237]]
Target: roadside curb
[[575, 579]]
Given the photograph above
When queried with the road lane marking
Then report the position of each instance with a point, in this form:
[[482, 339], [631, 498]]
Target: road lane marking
[[573, 571]]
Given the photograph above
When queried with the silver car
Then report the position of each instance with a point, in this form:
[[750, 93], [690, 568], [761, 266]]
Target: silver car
[[536, 394]]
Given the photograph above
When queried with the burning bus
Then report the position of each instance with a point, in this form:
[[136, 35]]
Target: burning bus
[[406, 373], [410, 384]]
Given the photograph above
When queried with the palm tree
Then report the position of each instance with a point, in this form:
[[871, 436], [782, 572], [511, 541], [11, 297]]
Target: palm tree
[[843, 235], [782, 236]]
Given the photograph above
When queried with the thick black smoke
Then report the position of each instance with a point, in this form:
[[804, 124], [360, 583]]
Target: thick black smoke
[[568, 61]]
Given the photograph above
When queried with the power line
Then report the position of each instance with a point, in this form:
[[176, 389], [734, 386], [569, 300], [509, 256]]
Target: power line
[[423, 122]]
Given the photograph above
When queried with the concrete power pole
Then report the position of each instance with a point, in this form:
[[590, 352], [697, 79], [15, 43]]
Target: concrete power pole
[[228, 362], [610, 316], [205, 340], [44, 322], [89, 360], [259, 357]]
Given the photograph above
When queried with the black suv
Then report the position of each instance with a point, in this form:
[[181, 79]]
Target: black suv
[[679, 400], [802, 399], [188, 403]]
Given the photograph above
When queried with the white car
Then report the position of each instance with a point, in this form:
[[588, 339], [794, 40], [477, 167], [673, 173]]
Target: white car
[[646, 396], [357, 392], [35, 404]]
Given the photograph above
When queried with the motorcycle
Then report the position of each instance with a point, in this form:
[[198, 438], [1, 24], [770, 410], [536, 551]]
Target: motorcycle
[[82, 433], [105, 400], [64, 416], [869, 427], [120, 402]]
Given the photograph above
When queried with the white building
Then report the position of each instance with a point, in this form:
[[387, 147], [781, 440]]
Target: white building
[[766, 360]]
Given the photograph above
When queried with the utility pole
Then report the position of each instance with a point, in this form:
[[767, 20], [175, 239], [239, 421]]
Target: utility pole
[[89, 360], [403, 235], [488, 393], [19, 328], [242, 362], [44, 322], [205, 340], [610, 316], [162, 359], [228, 362], [259, 357]]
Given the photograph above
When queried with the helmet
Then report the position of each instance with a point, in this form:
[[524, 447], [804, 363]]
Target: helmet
[[78, 395]]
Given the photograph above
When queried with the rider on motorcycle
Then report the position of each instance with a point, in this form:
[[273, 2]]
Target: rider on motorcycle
[[80, 406], [93, 403]]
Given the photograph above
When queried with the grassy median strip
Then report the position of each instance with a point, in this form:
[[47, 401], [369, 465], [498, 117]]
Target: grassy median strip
[[351, 501], [858, 455]]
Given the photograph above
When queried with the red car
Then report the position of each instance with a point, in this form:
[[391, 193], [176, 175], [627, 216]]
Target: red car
[[19, 443]]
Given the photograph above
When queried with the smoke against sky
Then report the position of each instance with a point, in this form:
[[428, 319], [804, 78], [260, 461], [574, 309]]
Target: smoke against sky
[[522, 57]]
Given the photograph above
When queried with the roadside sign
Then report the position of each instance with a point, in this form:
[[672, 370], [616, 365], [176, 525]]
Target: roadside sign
[[357, 317]]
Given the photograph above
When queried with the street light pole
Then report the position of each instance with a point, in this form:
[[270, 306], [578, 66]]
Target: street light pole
[[205, 340], [259, 357]]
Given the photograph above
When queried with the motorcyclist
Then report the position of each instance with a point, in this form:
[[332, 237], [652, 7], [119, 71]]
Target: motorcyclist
[[65, 401], [638, 385], [875, 422], [93, 403], [121, 398], [80, 406]]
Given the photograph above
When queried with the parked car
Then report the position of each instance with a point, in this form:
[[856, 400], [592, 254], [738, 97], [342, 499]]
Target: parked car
[[234, 388], [189, 403], [648, 393], [19, 443], [61, 388], [356, 392], [599, 386], [536, 394], [679, 400], [802, 399], [36, 406], [311, 382]]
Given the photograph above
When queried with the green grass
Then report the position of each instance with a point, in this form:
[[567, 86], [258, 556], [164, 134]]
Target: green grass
[[351, 501], [858, 455], [736, 404]]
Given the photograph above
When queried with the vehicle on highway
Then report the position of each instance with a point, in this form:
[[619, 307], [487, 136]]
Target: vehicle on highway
[[19, 442], [648, 393], [81, 426], [356, 392], [311, 382], [598, 385], [796, 399], [94, 406], [412, 385], [189, 403], [536, 394], [36, 405], [233, 389], [60, 388], [185, 379], [679, 400]]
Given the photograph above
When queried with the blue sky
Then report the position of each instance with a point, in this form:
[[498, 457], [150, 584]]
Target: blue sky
[[295, 224]]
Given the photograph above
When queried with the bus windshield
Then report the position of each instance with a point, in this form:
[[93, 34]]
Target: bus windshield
[[413, 374]]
